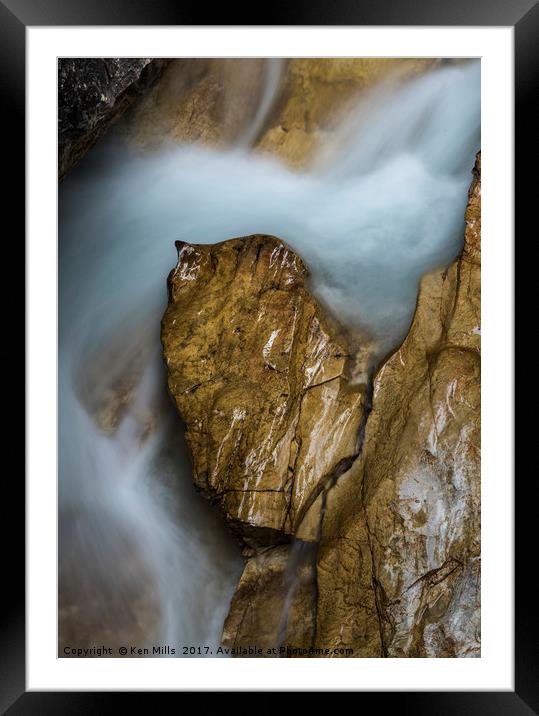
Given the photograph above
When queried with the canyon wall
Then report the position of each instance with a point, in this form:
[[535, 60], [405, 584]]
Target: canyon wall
[[358, 505], [92, 94], [406, 519], [286, 108]]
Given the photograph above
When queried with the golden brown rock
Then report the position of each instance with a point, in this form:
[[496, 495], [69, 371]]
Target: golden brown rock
[[421, 480], [282, 107], [209, 101], [274, 604], [316, 94], [406, 517], [258, 373]]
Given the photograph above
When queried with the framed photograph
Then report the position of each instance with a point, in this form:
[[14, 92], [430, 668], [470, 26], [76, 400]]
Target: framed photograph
[[270, 327]]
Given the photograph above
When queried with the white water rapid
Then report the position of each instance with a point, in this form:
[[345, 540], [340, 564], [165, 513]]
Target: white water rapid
[[384, 204]]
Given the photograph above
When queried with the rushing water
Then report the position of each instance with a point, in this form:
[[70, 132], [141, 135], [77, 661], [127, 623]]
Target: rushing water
[[384, 204]]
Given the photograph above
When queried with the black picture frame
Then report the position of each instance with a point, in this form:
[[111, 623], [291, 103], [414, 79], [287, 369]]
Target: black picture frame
[[15, 16]]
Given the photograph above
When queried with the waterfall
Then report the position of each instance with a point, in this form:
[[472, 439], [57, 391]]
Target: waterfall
[[273, 73], [139, 549]]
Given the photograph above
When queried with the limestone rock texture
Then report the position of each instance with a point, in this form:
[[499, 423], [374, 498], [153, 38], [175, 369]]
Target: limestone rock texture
[[92, 93], [316, 94], [358, 506], [204, 100], [406, 517], [287, 108], [421, 474], [275, 603], [258, 373]]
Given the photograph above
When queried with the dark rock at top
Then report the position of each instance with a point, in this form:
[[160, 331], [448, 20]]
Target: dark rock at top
[[92, 93]]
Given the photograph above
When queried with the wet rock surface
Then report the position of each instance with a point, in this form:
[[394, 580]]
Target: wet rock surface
[[274, 605], [400, 545], [316, 94], [258, 373], [92, 93], [421, 468]]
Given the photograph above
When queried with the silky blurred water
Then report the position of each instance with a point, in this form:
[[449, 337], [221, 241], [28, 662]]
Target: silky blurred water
[[384, 203]]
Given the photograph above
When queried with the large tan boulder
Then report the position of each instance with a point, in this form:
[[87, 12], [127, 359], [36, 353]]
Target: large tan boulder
[[258, 373]]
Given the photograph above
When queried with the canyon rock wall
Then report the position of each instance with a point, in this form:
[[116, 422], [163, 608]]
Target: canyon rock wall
[[92, 93], [285, 108], [317, 94], [377, 486], [406, 518], [202, 100]]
